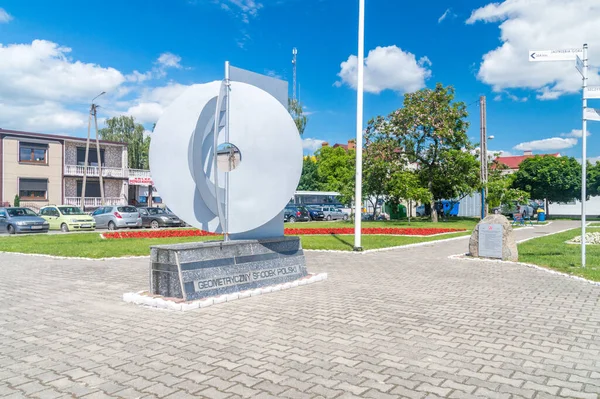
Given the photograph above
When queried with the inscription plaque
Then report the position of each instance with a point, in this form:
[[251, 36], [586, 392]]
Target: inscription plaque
[[490, 240]]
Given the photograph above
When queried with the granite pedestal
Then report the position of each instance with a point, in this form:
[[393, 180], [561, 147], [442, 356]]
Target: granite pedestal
[[204, 269]]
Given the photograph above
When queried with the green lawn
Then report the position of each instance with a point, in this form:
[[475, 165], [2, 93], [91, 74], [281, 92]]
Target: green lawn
[[453, 223], [552, 252], [595, 225], [90, 245]]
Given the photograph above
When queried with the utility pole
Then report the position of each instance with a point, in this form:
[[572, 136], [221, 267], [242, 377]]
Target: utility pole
[[93, 109], [294, 54], [483, 155]]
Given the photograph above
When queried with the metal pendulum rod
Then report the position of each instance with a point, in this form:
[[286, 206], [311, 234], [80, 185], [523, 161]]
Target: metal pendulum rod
[[226, 139]]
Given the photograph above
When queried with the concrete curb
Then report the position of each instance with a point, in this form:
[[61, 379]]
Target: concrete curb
[[466, 257], [142, 297]]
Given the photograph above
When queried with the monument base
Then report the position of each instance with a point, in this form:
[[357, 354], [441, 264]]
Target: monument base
[[209, 269]]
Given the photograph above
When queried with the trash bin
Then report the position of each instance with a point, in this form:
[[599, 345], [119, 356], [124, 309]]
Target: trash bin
[[541, 216]]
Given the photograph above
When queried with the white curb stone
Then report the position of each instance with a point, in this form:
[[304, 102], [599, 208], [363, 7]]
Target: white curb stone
[[143, 298]]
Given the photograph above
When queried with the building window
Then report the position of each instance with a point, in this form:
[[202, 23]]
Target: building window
[[33, 189], [33, 153], [92, 156], [92, 188]]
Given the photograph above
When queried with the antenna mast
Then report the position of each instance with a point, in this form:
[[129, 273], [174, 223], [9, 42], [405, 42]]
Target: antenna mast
[[294, 54]]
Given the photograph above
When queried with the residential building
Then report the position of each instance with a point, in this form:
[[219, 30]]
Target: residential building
[[48, 169], [512, 162]]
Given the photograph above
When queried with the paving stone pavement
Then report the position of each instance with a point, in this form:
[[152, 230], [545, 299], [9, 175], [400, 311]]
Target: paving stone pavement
[[403, 323]]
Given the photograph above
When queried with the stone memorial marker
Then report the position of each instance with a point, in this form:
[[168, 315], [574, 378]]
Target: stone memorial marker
[[493, 237]]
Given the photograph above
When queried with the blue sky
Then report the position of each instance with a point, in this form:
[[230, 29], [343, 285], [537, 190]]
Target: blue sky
[[55, 56]]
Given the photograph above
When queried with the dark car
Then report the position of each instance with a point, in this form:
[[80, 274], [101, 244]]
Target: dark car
[[157, 217], [21, 220], [315, 213], [293, 213]]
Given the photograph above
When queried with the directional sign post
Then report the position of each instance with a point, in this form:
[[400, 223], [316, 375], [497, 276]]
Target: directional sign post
[[579, 55], [592, 92], [555, 55]]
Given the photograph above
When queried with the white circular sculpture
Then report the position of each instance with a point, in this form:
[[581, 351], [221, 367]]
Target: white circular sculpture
[[183, 157]]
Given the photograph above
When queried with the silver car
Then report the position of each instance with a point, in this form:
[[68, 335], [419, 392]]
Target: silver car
[[21, 220], [333, 213], [117, 217]]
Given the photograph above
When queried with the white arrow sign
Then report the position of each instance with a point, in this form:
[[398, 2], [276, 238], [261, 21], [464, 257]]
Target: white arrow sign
[[555, 55], [592, 114], [591, 92], [579, 64]]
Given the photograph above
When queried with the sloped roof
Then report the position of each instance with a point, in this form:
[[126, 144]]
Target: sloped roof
[[513, 162]]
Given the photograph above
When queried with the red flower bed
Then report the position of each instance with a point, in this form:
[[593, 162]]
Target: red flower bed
[[405, 231]]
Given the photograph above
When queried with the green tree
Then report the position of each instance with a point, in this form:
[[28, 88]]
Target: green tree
[[295, 109], [431, 129], [405, 185], [310, 180], [124, 129], [501, 191], [336, 167], [548, 177], [593, 179]]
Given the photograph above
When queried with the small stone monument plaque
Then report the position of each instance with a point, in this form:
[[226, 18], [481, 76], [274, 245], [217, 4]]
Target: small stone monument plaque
[[490, 240], [494, 238]]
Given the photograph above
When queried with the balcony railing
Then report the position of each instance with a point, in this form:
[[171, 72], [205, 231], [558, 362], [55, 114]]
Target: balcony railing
[[95, 201], [93, 171], [138, 173]]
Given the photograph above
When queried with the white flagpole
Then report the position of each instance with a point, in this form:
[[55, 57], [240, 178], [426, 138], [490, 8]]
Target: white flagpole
[[359, 127], [584, 155]]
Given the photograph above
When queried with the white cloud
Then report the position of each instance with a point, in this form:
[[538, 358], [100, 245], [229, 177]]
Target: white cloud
[[243, 9], [312, 145], [387, 68], [447, 14], [550, 144], [152, 102], [575, 133], [43, 89], [42, 117], [539, 25], [272, 73], [5, 17], [501, 153], [169, 60], [42, 71]]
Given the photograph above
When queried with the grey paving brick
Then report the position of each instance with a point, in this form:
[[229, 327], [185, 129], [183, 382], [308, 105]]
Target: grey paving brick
[[458, 329]]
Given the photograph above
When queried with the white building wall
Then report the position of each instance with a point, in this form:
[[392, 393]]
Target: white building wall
[[470, 206], [574, 208]]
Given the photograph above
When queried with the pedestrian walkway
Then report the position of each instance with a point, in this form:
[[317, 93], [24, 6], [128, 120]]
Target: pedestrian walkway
[[402, 323]]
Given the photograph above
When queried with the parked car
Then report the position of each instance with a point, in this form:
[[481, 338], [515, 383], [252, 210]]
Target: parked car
[[295, 213], [158, 217], [21, 220], [67, 218], [420, 210], [333, 213], [514, 207], [117, 217], [315, 213]]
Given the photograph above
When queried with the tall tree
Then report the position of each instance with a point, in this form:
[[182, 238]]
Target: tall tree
[[500, 188], [431, 129], [336, 167], [380, 160], [295, 109], [552, 178], [310, 180], [124, 129], [405, 185], [593, 179]]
